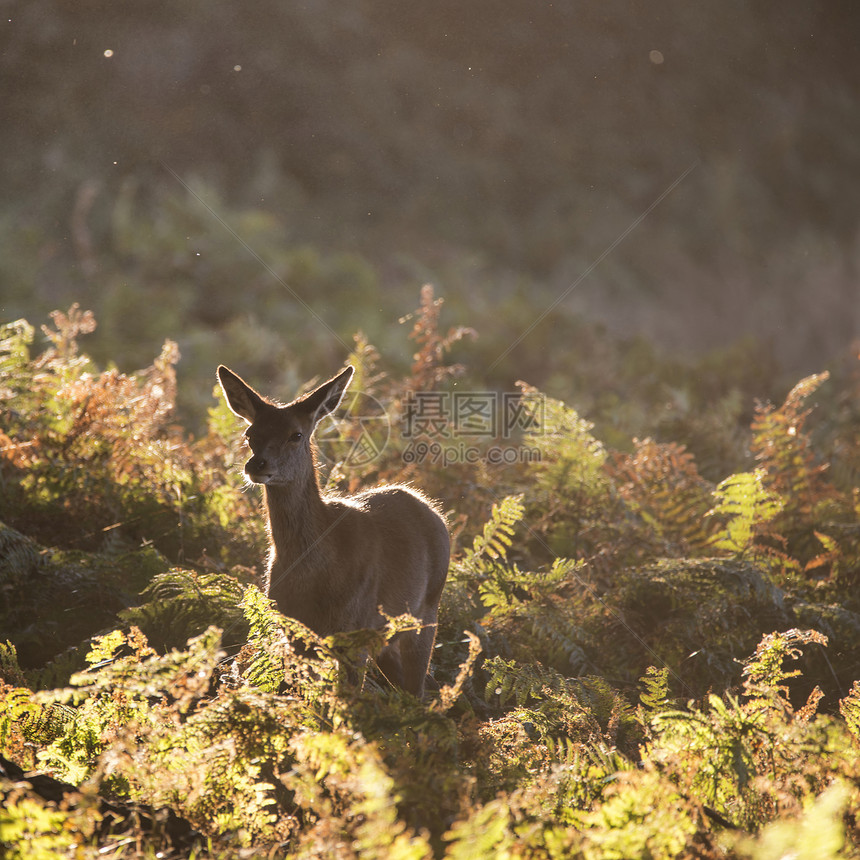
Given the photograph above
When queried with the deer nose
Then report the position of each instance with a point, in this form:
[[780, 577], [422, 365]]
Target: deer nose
[[255, 465]]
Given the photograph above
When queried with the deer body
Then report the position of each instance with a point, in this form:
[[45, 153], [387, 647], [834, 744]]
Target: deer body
[[335, 560]]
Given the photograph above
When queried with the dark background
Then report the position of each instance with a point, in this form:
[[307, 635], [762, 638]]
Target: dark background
[[259, 181]]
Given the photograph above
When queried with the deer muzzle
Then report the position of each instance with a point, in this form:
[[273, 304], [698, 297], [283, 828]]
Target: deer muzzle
[[257, 469]]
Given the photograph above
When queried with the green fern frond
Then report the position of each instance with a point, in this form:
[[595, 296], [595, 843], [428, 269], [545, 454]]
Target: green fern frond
[[520, 682], [765, 674], [849, 707], [16, 707], [497, 535], [556, 637], [487, 831], [746, 503], [653, 697], [182, 603], [571, 458], [364, 357], [267, 638], [504, 587], [10, 671], [654, 694], [571, 492]]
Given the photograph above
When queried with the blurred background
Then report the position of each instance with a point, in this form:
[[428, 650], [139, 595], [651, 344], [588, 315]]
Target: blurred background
[[597, 188]]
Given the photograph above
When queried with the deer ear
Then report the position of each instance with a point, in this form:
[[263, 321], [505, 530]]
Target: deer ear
[[324, 399], [241, 398]]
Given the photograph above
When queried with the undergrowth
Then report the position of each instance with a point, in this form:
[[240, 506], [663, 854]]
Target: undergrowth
[[633, 660]]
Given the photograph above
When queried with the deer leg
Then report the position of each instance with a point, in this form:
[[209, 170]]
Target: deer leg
[[390, 662], [416, 651]]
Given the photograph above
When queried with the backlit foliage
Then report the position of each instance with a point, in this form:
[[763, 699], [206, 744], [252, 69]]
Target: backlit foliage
[[747, 507], [662, 483], [631, 662], [428, 367]]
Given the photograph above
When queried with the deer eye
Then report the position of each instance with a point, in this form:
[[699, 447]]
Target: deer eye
[[296, 437]]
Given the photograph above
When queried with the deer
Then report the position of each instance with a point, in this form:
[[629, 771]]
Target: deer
[[339, 563]]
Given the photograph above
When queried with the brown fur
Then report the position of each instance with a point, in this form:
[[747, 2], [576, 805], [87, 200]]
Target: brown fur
[[334, 560]]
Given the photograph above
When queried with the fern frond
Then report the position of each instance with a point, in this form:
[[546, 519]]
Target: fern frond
[[571, 491], [764, 672], [654, 694], [520, 682], [183, 603], [428, 367], [653, 697], [364, 357], [15, 341], [784, 450], [662, 483], [267, 638], [497, 535], [748, 506], [10, 671], [849, 707], [563, 438], [505, 587]]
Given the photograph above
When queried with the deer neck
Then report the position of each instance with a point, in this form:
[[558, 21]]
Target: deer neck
[[296, 519]]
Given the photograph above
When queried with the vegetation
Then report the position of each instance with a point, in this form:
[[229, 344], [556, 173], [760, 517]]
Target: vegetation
[[637, 657]]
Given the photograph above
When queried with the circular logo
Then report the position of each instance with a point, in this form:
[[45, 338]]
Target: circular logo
[[357, 434]]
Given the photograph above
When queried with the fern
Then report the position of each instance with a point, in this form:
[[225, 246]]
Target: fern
[[484, 564], [16, 707], [507, 587], [849, 707], [10, 671], [748, 507], [516, 598], [521, 683], [784, 448], [785, 452], [654, 695], [485, 832], [764, 672], [342, 780], [571, 495], [68, 327], [183, 603], [149, 683], [571, 457], [428, 367], [15, 341], [830, 559], [365, 357], [268, 640], [497, 535], [662, 483]]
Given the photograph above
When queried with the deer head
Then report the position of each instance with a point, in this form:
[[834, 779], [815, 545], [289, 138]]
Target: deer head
[[280, 436]]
